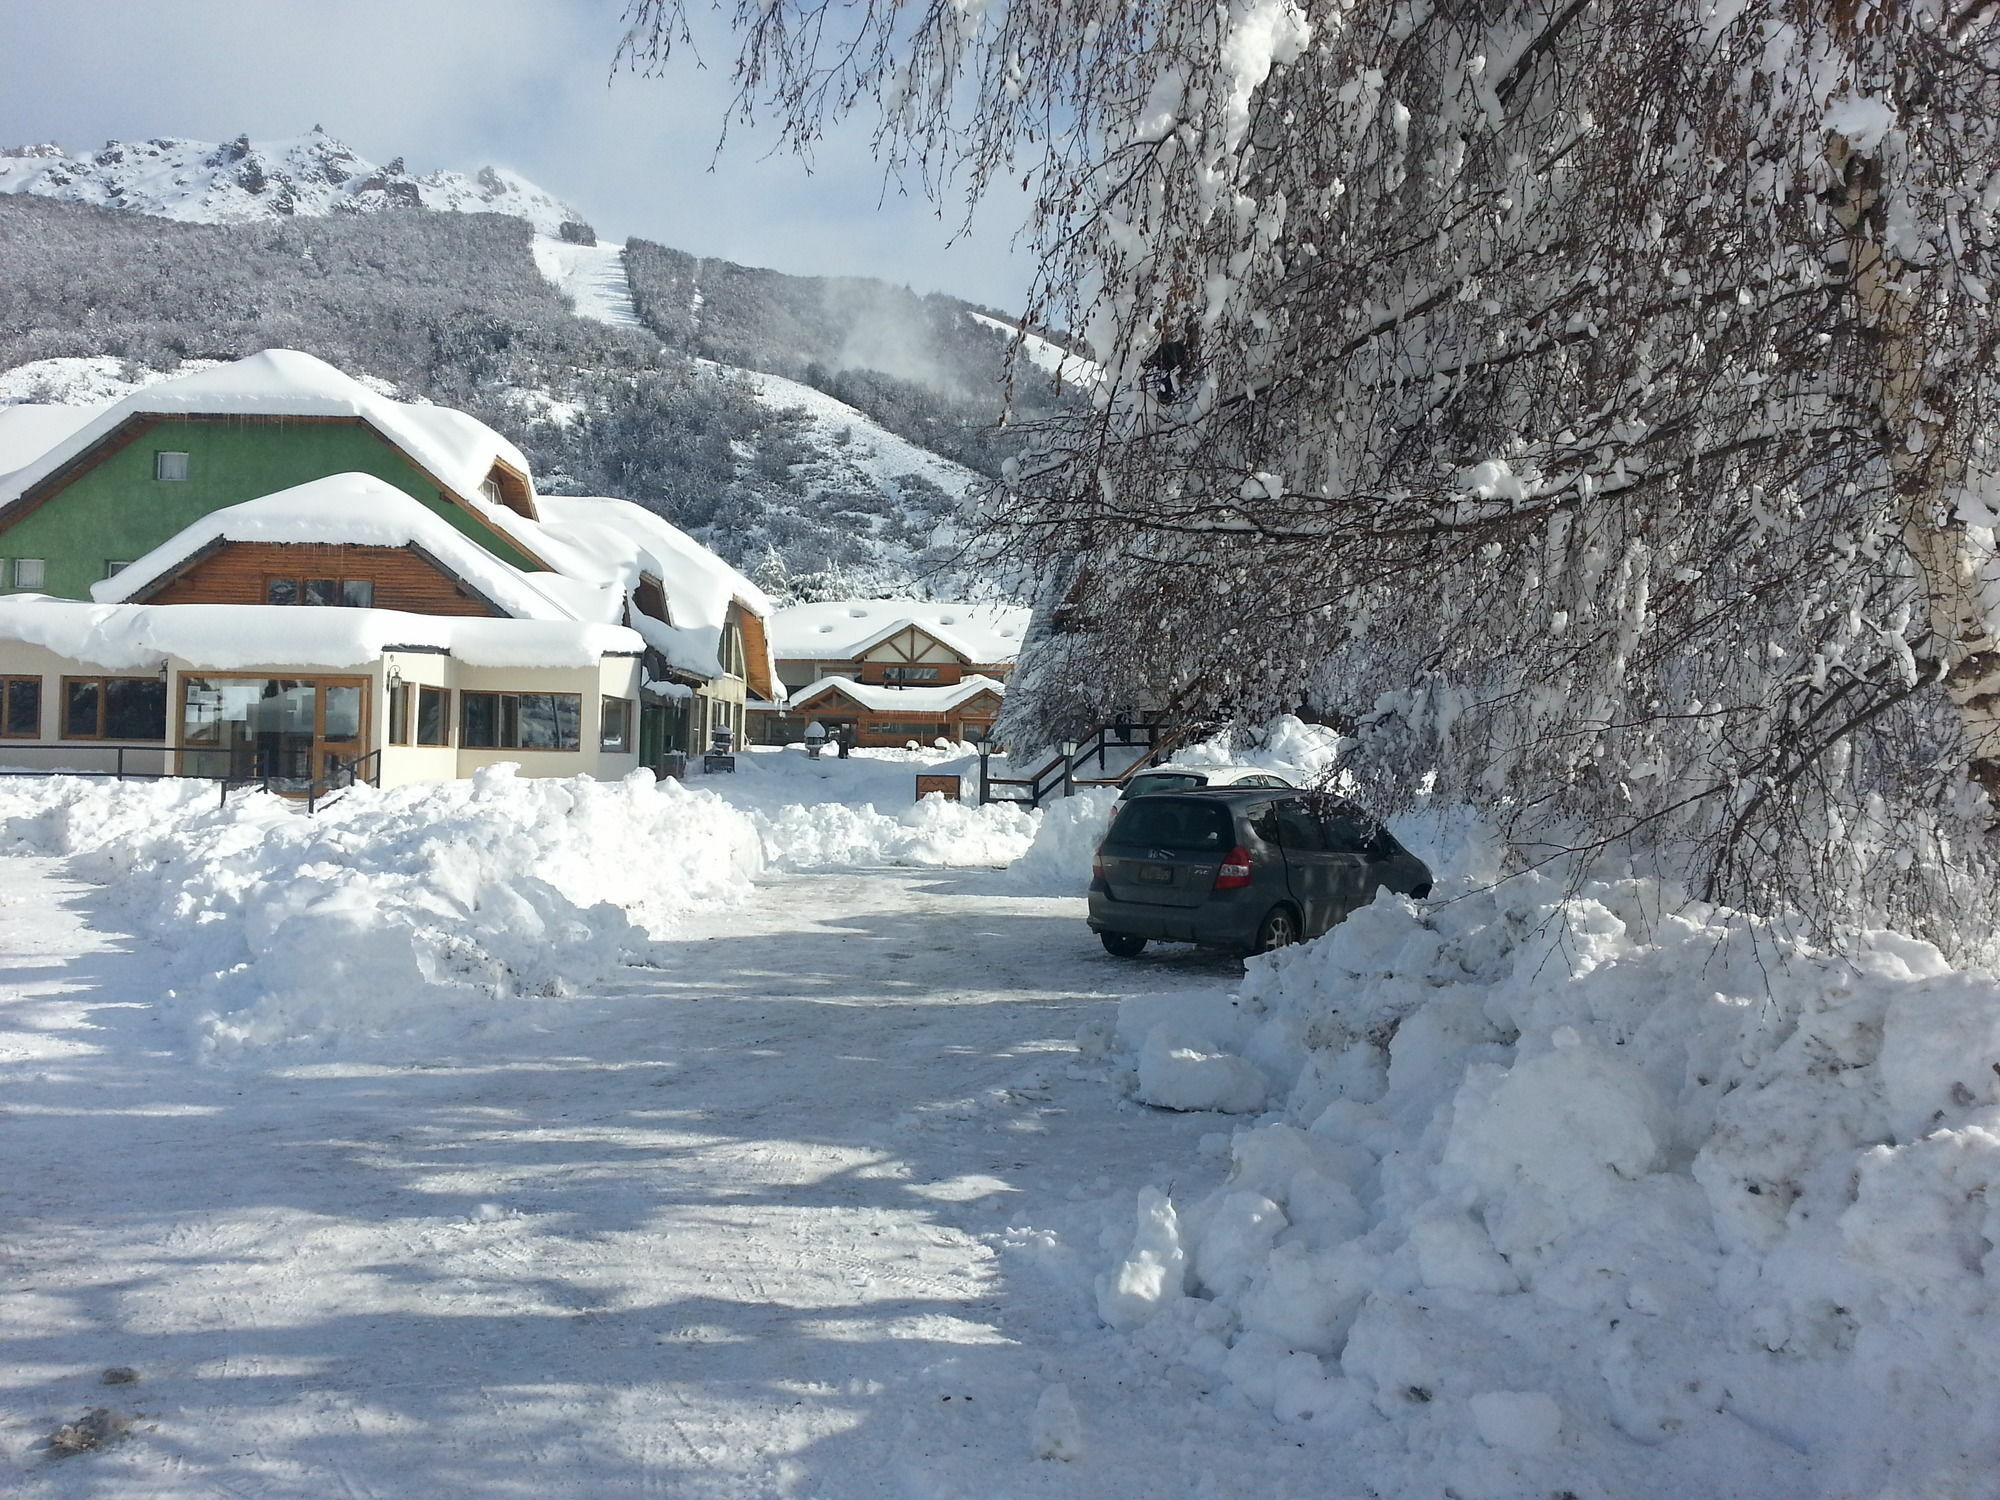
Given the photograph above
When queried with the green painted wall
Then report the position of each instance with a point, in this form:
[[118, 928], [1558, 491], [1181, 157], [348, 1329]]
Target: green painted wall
[[118, 512]]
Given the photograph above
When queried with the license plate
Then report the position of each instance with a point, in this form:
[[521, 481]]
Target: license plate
[[1156, 874]]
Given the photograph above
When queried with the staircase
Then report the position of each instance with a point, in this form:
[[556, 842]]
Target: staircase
[[1111, 756]]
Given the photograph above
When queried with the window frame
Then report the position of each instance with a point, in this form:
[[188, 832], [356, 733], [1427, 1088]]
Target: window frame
[[161, 465], [444, 719], [41, 567], [336, 588], [506, 721], [398, 730], [623, 744], [102, 684], [7, 685]]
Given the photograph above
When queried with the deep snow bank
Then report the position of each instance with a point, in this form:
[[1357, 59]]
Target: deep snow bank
[[843, 814], [1567, 1194], [391, 920]]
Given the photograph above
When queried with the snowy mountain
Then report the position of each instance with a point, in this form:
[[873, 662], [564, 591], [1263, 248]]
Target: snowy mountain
[[242, 181]]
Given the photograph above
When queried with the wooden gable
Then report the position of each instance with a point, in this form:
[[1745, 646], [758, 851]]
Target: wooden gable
[[404, 578], [913, 645]]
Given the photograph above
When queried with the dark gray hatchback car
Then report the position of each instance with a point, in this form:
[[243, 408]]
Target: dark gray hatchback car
[[1249, 869]]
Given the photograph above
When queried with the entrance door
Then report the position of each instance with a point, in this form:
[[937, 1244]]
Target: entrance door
[[288, 732]]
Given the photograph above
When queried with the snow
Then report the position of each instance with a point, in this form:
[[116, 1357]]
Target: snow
[[886, 698], [841, 629], [342, 509], [540, 1127], [592, 277], [613, 543], [1073, 370], [231, 637], [1601, 1176], [459, 450], [853, 449], [243, 181], [831, 813], [396, 920], [763, 1215]]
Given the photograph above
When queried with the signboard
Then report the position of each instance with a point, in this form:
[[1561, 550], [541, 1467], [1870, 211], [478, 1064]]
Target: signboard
[[944, 786]]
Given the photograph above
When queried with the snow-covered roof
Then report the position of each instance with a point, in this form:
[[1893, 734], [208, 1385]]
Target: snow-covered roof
[[841, 629], [458, 450], [612, 544], [231, 637], [917, 700], [344, 509], [29, 430]]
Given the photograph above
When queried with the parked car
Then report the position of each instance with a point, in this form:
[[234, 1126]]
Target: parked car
[[1244, 868], [1193, 778]]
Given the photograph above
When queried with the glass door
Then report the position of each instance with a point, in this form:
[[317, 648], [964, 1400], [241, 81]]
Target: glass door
[[286, 732]]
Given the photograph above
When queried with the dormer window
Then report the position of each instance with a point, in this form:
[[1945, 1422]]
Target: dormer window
[[170, 465], [507, 486]]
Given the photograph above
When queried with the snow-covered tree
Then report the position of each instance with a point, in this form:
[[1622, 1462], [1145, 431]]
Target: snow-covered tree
[[1592, 404]]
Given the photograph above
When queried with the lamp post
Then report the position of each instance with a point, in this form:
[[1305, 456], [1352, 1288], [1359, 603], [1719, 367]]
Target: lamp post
[[982, 741], [1069, 767]]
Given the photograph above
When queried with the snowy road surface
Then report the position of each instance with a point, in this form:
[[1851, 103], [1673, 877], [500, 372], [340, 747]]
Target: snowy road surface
[[811, 1210]]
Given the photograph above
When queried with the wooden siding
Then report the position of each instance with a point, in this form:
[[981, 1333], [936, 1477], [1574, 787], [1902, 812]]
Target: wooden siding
[[756, 652], [235, 573]]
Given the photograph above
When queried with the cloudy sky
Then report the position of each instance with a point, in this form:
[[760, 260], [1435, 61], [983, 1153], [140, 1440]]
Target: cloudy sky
[[460, 83]]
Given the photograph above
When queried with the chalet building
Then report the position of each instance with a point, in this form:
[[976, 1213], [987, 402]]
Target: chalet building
[[891, 670], [866, 713], [422, 609]]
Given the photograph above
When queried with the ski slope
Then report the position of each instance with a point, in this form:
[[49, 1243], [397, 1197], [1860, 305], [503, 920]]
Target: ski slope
[[592, 277]]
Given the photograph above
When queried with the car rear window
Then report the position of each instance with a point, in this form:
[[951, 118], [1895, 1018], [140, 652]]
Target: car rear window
[[1180, 824], [1145, 786]]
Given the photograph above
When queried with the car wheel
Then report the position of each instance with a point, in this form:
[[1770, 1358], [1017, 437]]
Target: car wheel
[[1422, 892], [1122, 944], [1279, 929]]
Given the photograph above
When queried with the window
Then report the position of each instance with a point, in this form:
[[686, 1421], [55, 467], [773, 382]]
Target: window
[[399, 713], [1181, 823], [350, 593], [732, 649], [116, 565], [29, 572], [616, 727], [433, 716], [521, 721], [910, 674], [170, 466], [907, 729], [114, 708], [21, 708]]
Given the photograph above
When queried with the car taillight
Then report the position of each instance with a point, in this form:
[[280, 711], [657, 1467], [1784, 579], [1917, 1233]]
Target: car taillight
[[1097, 865], [1235, 871]]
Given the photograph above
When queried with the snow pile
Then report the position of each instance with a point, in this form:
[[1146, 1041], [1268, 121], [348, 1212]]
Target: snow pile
[[1578, 1193], [822, 835], [393, 921], [1057, 862]]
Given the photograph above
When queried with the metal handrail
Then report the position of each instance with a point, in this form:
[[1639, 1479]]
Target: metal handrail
[[339, 778]]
